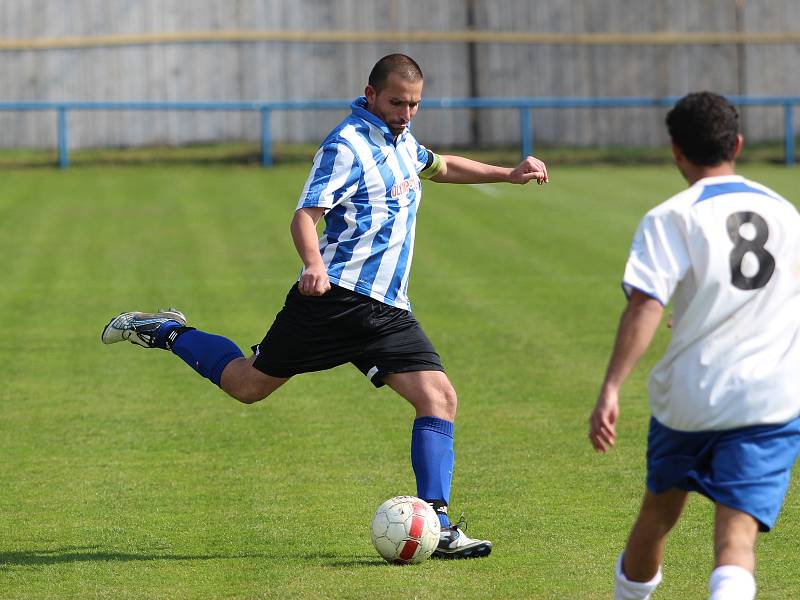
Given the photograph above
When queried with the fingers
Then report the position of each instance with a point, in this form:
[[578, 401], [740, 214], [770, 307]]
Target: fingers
[[539, 176], [602, 430], [538, 168], [531, 168], [313, 290], [602, 438], [311, 285]]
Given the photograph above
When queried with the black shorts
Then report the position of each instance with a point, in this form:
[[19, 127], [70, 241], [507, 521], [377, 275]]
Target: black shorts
[[314, 333]]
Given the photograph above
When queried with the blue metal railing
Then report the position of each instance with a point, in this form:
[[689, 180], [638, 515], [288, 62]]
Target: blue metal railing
[[525, 106]]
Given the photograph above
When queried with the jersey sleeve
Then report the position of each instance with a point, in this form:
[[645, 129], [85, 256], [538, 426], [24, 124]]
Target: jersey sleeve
[[659, 257], [428, 163], [433, 166], [334, 177]]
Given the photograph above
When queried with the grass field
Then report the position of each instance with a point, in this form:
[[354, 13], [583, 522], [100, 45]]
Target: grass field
[[126, 475]]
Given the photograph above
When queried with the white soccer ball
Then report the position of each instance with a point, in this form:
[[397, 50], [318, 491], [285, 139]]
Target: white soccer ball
[[405, 530]]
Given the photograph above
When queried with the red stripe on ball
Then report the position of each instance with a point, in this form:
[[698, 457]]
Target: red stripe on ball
[[417, 526], [409, 548]]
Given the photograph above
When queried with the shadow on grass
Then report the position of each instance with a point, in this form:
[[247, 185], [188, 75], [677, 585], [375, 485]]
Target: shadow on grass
[[359, 562], [94, 553], [77, 554]]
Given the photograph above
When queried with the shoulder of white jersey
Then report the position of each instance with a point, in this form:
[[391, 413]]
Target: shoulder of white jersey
[[715, 187], [694, 195], [767, 191], [679, 203]]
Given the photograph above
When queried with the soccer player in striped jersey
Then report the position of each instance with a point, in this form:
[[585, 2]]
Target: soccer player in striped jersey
[[725, 398], [350, 303]]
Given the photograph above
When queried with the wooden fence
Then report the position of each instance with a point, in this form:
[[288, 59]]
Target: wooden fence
[[269, 50]]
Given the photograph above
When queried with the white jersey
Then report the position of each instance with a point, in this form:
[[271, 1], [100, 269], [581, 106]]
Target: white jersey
[[726, 251]]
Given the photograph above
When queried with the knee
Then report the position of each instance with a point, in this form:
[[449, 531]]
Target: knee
[[242, 391], [446, 402], [662, 511], [735, 537], [662, 521], [246, 384], [451, 400], [248, 390], [247, 396]]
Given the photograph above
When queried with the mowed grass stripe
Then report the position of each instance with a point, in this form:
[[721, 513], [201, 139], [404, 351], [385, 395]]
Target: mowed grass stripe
[[127, 476]]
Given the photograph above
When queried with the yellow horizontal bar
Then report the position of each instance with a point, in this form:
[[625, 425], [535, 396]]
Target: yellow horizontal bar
[[657, 38]]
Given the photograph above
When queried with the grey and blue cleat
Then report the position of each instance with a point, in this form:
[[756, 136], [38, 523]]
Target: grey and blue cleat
[[140, 328]]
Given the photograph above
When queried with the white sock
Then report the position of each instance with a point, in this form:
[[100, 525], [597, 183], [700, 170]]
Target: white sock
[[624, 589], [730, 582]]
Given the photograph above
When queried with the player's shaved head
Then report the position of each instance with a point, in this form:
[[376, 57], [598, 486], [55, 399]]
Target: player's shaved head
[[704, 126], [401, 65]]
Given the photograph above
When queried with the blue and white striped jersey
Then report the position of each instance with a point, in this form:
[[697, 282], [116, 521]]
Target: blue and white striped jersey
[[370, 185]]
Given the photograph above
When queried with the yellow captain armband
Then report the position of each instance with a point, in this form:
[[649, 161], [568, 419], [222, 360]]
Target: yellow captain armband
[[433, 168]]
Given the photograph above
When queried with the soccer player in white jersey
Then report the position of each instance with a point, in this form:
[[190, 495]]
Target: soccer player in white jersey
[[725, 397], [350, 303]]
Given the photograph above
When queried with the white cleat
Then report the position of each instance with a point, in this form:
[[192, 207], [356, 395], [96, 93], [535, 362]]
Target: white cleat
[[140, 328], [453, 543]]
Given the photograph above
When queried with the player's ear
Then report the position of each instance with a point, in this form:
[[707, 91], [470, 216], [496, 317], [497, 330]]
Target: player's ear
[[739, 145], [370, 94]]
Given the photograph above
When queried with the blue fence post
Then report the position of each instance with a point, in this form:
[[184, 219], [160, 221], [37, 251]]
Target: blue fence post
[[526, 131], [788, 135], [525, 106], [266, 140], [63, 146]]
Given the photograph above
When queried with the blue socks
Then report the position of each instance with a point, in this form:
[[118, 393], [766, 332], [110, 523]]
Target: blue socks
[[432, 458], [206, 353], [163, 338]]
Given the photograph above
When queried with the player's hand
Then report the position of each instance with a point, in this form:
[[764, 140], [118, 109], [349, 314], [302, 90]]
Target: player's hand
[[314, 281], [530, 168], [603, 421]]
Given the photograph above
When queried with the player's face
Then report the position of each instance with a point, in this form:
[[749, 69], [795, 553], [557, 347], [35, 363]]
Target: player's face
[[396, 102]]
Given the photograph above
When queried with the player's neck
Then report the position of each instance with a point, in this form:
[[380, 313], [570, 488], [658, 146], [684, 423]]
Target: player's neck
[[694, 173]]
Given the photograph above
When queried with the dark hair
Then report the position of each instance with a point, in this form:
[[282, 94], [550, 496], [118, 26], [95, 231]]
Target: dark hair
[[402, 65], [704, 126]]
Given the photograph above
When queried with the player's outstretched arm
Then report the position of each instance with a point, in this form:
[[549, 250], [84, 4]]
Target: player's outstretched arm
[[637, 326], [457, 169]]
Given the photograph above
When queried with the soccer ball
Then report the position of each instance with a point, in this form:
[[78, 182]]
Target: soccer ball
[[405, 530]]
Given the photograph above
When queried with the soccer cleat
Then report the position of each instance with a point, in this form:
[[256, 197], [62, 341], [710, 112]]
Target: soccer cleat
[[453, 543], [140, 328]]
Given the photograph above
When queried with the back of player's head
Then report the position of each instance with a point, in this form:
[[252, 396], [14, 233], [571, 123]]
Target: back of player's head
[[399, 64], [704, 126]]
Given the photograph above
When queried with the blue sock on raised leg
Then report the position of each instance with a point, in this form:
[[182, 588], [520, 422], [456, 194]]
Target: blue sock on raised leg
[[206, 353], [432, 458]]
